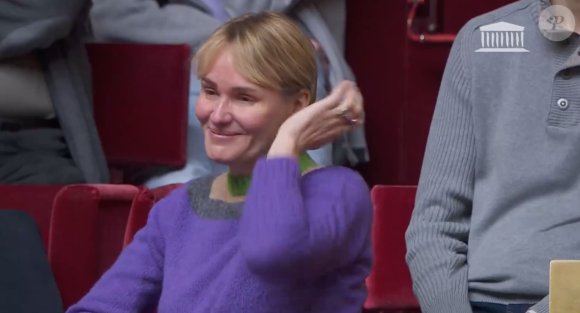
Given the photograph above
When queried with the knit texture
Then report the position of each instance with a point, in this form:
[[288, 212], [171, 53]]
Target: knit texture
[[302, 244], [499, 188]]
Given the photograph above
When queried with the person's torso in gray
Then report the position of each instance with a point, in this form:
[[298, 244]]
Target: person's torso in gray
[[526, 114]]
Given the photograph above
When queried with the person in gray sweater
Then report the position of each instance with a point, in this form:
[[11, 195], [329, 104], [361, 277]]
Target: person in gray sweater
[[499, 192]]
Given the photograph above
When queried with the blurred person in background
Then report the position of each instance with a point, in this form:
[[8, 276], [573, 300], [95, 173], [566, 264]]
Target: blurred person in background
[[47, 131]]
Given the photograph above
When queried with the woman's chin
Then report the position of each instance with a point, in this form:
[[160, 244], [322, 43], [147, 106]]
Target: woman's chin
[[221, 161], [222, 157]]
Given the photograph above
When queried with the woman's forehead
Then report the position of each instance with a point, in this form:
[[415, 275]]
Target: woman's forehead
[[238, 88], [223, 73]]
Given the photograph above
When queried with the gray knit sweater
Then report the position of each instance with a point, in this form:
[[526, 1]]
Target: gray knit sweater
[[499, 194]]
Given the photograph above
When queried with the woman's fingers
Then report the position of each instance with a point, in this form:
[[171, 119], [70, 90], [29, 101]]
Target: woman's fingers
[[358, 109], [335, 98], [330, 132], [343, 105], [344, 92], [351, 107]]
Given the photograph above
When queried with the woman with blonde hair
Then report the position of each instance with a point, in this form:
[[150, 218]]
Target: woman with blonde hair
[[277, 233]]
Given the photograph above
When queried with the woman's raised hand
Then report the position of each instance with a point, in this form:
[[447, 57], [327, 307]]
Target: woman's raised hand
[[321, 122]]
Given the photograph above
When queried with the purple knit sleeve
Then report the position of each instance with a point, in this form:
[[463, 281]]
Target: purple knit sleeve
[[302, 228], [133, 283]]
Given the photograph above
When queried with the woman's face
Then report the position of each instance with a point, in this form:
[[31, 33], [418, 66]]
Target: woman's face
[[239, 119]]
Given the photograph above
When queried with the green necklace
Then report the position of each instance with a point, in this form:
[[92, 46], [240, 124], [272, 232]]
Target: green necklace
[[238, 185]]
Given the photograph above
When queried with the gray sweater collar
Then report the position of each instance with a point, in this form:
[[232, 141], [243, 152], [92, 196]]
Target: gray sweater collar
[[199, 191], [537, 7]]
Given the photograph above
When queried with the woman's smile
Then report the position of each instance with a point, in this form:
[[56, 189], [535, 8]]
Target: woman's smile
[[221, 135]]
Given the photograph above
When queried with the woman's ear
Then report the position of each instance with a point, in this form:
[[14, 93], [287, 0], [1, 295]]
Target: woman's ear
[[302, 100]]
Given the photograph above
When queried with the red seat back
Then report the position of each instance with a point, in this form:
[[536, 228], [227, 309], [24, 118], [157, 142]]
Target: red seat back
[[142, 206], [87, 230], [390, 286], [141, 95]]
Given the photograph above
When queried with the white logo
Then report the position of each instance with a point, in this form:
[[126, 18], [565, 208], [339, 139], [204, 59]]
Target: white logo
[[557, 23], [502, 37]]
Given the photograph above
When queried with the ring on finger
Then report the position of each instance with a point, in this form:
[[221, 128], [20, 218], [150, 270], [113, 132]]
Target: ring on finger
[[343, 111], [348, 117]]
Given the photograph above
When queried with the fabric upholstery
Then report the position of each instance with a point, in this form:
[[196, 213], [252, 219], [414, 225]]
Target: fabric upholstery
[[162, 192], [390, 286], [87, 231], [26, 25], [400, 81], [141, 207], [148, 85], [26, 283], [379, 66]]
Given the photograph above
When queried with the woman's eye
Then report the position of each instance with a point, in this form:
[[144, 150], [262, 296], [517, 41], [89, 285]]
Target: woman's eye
[[209, 92], [246, 99]]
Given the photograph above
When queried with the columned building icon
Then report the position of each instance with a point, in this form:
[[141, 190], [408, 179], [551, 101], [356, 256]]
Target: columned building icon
[[502, 37]]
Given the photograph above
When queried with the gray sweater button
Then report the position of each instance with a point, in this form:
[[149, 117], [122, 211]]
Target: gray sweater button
[[563, 104], [566, 74]]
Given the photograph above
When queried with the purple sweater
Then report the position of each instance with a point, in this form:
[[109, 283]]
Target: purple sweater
[[302, 244]]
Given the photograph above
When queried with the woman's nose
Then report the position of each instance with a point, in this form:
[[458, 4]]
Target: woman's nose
[[221, 114]]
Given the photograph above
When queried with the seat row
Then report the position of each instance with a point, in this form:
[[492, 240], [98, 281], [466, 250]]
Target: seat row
[[85, 227]]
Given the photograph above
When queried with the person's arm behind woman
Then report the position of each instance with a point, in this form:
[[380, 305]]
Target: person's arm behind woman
[[144, 21]]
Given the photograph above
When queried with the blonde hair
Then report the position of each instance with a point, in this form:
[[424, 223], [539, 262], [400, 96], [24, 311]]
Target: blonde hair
[[269, 49]]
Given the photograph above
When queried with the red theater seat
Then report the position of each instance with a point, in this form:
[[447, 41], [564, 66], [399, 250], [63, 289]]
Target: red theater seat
[[141, 207], [87, 231], [164, 191], [140, 100], [390, 286], [138, 215]]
